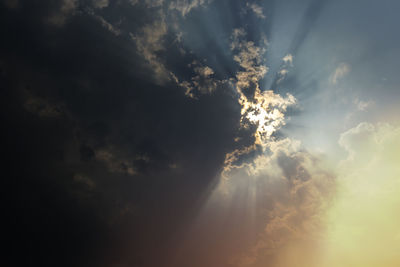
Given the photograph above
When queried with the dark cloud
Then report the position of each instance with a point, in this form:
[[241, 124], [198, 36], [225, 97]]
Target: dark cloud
[[109, 163], [100, 158], [140, 133]]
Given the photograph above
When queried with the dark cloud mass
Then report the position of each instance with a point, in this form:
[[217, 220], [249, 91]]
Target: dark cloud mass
[[152, 132], [100, 158]]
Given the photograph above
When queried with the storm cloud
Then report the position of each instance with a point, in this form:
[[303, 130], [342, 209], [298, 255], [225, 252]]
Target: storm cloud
[[173, 133]]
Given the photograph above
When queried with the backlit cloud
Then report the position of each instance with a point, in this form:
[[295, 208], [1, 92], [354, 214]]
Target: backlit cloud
[[193, 133], [263, 110], [185, 6], [149, 42]]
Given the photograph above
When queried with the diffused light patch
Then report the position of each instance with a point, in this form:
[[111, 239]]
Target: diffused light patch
[[267, 113], [363, 224]]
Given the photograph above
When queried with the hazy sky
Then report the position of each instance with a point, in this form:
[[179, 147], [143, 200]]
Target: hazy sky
[[201, 133]]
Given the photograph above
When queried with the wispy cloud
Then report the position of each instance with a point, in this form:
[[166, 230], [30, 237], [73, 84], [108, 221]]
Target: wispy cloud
[[42, 107], [115, 163], [100, 3], [258, 10], [66, 9], [111, 28], [185, 6], [149, 42], [340, 72], [296, 189], [203, 82], [288, 59], [363, 105]]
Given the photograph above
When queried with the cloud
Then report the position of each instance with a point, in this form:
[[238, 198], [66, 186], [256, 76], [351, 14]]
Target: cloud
[[42, 107], [340, 72], [367, 143], [204, 71], [283, 71], [108, 25], [114, 163], [149, 42], [258, 11], [66, 9], [85, 180], [182, 6], [288, 59], [261, 110], [133, 2], [360, 138], [202, 82], [154, 3], [296, 186], [100, 3], [363, 220], [185, 6], [363, 105], [142, 148], [147, 3], [294, 189]]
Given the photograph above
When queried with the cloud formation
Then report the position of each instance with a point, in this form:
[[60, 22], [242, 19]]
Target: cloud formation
[[100, 3], [185, 6], [149, 42], [258, 10], [66, 9], [340, 72], [261, 110], [146, 133], [363, 229]]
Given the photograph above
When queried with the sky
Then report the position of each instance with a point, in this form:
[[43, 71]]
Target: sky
[[200, 133]]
